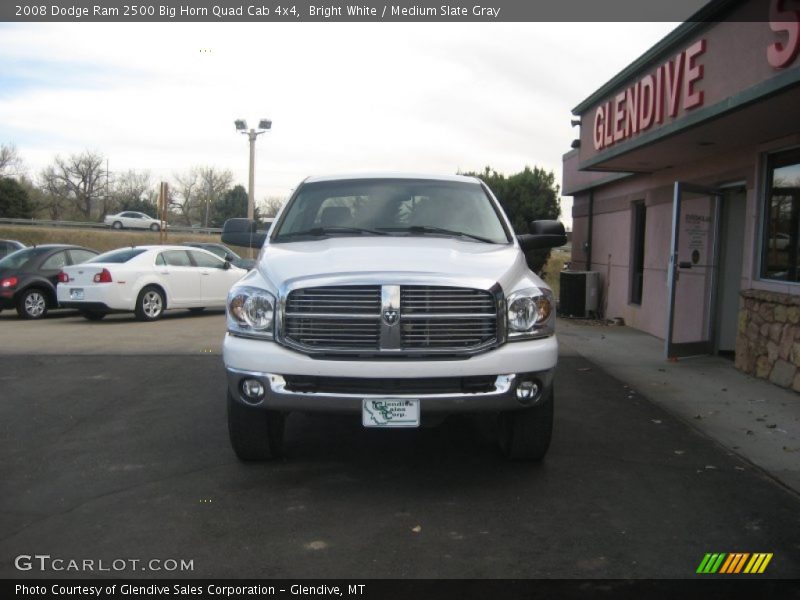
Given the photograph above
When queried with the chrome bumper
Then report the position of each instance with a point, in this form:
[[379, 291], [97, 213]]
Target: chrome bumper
[[278, 397]]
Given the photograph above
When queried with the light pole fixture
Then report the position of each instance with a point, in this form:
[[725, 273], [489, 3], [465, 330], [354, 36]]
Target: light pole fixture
[[264, 125]]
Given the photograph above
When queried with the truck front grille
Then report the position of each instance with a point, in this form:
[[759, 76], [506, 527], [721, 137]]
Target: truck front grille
[[334, 317], [359, 319]]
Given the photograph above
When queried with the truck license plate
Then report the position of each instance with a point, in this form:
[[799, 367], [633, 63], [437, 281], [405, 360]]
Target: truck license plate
[[390, 412], [76, 294]]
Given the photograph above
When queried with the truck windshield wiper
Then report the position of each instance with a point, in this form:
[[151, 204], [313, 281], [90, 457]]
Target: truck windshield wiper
[[331, 229], [423, 229]]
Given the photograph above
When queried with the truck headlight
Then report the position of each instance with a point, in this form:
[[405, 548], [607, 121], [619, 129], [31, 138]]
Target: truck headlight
[[251, 311], [530, 314]]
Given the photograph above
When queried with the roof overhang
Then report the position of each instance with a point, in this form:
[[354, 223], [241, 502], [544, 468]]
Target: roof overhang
[[707, 87]]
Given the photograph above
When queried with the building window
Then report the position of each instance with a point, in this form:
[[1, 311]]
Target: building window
[[780, 252], [637, 251]]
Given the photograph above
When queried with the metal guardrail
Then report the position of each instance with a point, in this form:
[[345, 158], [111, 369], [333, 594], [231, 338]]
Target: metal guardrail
[[95, 225]]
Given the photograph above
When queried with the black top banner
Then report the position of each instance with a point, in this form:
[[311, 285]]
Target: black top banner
[[350, 11]]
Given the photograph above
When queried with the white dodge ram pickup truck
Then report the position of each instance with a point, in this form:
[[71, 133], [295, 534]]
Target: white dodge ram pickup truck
[[397, 298]]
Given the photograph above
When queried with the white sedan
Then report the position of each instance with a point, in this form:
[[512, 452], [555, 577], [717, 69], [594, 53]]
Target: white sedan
[[132, 220], [147, 280]]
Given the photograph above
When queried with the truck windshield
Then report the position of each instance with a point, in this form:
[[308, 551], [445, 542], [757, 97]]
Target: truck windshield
[[409, 207]]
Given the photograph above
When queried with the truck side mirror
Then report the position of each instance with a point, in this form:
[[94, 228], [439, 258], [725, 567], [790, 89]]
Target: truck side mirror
[[544, 234], [242, 232]]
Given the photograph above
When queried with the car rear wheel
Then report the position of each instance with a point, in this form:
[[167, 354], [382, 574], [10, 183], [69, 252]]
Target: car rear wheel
[[525, 434], [154, 227], [150, 304], [255, 433], [117, 225], [32, 304], [93, 315]]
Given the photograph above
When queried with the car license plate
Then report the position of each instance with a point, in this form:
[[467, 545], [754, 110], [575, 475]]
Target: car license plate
[[76, 294], [390, 412]]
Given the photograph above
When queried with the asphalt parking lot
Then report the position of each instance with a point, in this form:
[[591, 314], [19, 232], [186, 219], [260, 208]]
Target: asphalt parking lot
[[120, 450]]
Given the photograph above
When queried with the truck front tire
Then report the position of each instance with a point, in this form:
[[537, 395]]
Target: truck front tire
[[255, 433], [525, 434]]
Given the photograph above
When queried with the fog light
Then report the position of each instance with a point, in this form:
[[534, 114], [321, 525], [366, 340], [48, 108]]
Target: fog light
[[527, 391], [253, 389]]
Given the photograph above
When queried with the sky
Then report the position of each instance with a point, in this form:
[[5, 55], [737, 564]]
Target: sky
[[343, 97]]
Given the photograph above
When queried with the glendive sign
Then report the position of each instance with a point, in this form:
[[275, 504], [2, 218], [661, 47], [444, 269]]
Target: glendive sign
[[646, 103], [672, 88]]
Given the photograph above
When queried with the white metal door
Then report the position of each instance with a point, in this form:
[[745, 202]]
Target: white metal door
[[693, 271]]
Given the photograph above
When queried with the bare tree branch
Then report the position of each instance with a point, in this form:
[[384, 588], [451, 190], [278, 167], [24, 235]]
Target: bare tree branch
[[269, 207], [134, 190], [10, 161], [78, 181], [198, 189]]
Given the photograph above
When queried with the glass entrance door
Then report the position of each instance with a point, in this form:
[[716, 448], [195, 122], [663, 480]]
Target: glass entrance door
[[693, 271]]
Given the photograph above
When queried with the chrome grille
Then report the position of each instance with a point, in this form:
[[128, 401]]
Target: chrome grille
[[317, 332], [334, 317], [336, 300], [445, 317], [415, 299], [349, 318]]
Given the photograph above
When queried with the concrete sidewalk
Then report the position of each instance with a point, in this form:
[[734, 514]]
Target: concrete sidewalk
[[749, 416]]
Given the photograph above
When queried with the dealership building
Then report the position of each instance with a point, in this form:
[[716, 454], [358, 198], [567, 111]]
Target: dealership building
[[686, 186]]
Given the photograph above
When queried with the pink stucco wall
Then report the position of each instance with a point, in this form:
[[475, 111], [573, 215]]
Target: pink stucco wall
[[612, 240]]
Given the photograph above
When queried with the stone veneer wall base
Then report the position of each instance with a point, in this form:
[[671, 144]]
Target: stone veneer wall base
[[768, 338]]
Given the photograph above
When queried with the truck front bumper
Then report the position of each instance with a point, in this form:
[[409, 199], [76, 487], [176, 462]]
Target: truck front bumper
[[498, 372]]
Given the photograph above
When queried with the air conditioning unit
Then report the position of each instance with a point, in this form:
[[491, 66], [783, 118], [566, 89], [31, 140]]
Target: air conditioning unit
[[579, 293]]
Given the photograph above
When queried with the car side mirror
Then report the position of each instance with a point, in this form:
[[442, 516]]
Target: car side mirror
[[543, 234], [227, 265], [242, 232]]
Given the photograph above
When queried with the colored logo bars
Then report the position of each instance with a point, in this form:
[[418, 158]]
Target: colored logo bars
[[734, 563]]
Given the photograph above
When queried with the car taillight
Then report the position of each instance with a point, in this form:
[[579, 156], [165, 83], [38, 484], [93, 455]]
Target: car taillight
[[63, 277], [8, 282], [102, 277]]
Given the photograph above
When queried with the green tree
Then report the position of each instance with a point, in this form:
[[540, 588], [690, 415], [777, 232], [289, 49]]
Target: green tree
[[228, 206], [231, 205], [14, 200], [530, 195]]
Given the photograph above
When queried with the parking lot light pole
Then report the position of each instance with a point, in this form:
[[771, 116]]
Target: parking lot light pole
[[264, 125]]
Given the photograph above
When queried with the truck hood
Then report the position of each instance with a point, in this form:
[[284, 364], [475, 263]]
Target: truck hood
[[396, 259]]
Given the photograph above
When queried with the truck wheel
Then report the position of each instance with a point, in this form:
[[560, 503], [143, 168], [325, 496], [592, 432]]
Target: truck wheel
[[525, 434], [32, 304], [256, 434], [150, 304]]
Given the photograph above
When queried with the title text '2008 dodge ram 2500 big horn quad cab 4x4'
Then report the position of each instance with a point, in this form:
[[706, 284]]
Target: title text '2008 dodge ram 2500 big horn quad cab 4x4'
[[391, 297]]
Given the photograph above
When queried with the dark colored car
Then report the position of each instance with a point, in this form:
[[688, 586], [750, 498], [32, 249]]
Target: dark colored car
[[9, 246], [224, 253], [28, 277]]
